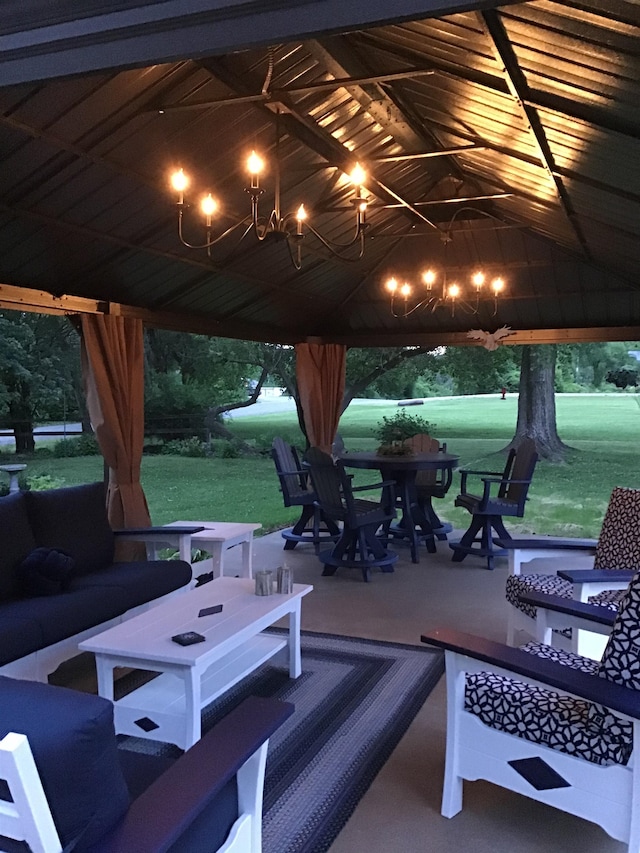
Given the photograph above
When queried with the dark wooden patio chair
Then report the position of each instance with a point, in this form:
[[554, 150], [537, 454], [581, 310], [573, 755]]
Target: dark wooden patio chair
[[358, 546], [504, 494], [431, 483], [312, 526]]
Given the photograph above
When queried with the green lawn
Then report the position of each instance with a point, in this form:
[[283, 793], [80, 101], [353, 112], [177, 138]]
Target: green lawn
[[603, 432]]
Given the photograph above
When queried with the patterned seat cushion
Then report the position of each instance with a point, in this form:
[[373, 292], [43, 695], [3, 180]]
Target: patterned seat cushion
[[569, 725], [618, 547], [518, 585]]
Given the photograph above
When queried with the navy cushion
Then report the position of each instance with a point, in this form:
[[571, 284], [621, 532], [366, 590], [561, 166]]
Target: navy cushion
[[73, 519], [138, 582], [17, 540], [73, 742], [62, 616], [19, 636], [45, 571]]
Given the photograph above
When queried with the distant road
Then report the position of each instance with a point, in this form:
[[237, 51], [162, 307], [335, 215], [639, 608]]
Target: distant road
[[44, 432]]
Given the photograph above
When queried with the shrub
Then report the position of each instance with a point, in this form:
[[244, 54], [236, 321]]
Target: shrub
[[81, 445], [185, 447], [42, 482]]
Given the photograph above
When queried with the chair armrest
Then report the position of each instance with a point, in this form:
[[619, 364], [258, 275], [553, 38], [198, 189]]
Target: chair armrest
[[485, 473], [547, 543], [157, 819], [381, 485], [571, 607], [599, 576], [555, 675]]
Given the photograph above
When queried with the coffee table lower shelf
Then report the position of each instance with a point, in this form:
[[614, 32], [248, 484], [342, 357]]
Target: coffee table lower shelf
[[158, 709]]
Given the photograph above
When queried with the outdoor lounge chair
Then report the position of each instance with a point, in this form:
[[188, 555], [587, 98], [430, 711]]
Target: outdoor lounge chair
[[503, 494], [616, 557], [358, 546], [65, 784], [549, 724]]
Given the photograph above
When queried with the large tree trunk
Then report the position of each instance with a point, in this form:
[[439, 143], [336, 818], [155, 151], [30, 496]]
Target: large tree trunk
[[537, 402]]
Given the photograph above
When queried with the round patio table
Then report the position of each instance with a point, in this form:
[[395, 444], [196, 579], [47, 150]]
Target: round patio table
[[415, 524]]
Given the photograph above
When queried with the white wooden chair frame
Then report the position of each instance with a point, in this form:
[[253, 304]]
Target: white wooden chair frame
[[606, 795]]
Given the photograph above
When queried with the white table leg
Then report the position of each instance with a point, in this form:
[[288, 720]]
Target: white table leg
[[295, 657], [216, 551], [247, 570], [192, 706], [104, 671]]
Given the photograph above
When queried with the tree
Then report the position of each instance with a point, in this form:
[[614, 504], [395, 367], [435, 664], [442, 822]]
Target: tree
[[39, 369], [536, 402], [475, 370]]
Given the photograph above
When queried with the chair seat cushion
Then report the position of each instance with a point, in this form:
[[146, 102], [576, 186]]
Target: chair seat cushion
[[73, 742], [518, 585], [564, 723]]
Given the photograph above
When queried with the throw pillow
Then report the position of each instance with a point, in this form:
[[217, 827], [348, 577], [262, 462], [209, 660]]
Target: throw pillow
[[45, 571]]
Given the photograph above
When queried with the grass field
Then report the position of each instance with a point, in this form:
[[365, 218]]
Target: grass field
[[603, 432]]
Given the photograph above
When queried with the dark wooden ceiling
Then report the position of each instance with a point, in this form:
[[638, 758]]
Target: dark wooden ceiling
[[520, 120]]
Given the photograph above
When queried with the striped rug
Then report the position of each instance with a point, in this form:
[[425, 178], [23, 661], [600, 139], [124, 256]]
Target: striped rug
[[354, 701]]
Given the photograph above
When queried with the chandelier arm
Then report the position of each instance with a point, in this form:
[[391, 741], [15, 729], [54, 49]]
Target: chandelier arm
[[209, 241], [337, 248], [296, 258], [270, 225], [231, 253], [422, 304]]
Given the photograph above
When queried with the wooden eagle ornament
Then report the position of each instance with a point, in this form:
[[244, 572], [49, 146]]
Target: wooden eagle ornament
[[488, 340]]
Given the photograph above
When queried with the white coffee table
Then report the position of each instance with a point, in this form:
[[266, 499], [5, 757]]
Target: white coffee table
[[168, 707]]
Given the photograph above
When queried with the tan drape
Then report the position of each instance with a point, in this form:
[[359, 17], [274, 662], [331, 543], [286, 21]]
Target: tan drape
[[320, 371], [113, 375]]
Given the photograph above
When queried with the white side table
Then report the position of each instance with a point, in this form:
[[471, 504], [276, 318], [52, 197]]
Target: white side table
[[216, 538]]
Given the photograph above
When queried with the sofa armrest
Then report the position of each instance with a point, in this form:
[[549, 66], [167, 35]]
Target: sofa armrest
[[158, 818], [547, 672], [157, 537], [548, 543]]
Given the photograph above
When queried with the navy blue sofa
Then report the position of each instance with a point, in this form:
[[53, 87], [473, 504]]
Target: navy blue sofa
[[59, 583], [106, 799]]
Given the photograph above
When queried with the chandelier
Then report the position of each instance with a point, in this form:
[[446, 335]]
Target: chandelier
[[288, 228], [438, 288]]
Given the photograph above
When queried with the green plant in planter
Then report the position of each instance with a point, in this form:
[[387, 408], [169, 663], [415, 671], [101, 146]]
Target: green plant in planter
[[392, 431]]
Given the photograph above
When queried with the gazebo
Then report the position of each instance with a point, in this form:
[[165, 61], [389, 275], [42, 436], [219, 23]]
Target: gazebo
[[493, 136]]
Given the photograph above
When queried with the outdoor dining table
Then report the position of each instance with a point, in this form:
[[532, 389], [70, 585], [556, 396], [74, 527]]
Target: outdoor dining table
[[415, 524]]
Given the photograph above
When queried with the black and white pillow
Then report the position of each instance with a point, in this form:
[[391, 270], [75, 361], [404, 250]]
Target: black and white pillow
[[619, 542]]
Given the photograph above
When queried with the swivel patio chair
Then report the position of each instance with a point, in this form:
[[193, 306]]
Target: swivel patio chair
[[504, 494], [358, 545], [549, 724], [616, 557], [431, 483], [313, 526]]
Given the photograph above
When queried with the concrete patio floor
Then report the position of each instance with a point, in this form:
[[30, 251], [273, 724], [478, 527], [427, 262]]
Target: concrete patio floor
[[401, 811]]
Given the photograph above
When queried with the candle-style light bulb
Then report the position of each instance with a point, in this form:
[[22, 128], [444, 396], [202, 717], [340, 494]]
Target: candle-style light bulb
[[454, 291], [405, 290], [179, 182], [429, 277], [301, 215], [208, 206], [358, 175], [497, 285], [255, 164], [478, 280], [391, 285]]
